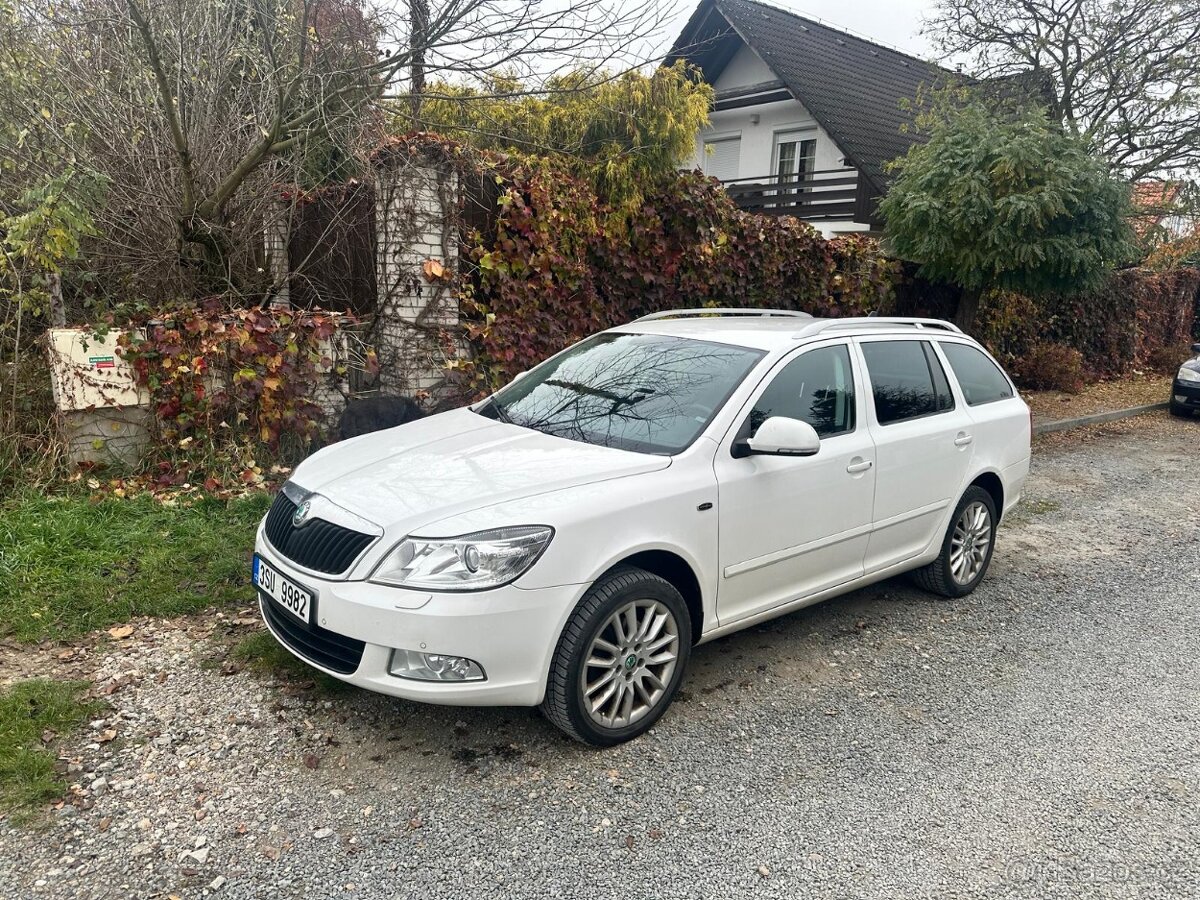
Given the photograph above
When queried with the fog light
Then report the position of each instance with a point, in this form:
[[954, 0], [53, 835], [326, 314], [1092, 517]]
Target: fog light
[[434, 667], [1179, 398]]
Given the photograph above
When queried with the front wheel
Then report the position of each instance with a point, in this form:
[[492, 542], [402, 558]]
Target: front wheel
[[967, 548], [1178, 409], [620, 659]]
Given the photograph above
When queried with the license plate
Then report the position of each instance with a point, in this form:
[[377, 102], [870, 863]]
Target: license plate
[[296, 600]]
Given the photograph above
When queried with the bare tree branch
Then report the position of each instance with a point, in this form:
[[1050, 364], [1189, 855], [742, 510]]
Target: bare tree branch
[[1126, 76]]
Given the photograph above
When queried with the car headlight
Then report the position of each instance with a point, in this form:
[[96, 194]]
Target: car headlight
[[1188, 374], [471, 562]]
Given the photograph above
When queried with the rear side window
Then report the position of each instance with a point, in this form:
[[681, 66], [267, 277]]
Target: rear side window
[[906, 380], [816, 387], [980, 378]]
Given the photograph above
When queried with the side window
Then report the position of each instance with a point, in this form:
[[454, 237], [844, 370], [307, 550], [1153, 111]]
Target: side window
[[816, 387], [941, 387], [906, 380], [980, 379]]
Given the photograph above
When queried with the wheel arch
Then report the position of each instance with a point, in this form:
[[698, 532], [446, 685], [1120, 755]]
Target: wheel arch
[[991, 483], [675, 569]]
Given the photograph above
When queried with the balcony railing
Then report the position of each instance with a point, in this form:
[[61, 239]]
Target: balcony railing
[[827, 194]]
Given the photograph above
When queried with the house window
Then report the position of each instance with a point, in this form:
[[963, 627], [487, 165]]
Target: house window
[[722, 157], [795, 159]]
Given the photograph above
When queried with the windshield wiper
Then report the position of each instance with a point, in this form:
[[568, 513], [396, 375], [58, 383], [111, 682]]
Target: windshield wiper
[[501, 415]]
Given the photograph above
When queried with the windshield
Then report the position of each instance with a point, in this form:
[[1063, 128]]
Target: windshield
[[643, 392]]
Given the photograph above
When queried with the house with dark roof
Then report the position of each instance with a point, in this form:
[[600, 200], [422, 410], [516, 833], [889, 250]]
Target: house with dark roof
[[806, 117]]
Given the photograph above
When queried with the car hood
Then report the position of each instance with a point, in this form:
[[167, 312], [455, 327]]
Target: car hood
[[434, 468]]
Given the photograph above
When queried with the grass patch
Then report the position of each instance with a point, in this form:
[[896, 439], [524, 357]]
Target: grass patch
[[69, 565], [260, 652], [28, 710], [1031, 507]]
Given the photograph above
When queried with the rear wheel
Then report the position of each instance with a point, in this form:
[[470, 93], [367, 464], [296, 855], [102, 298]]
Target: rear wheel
[[620, 659], [966, 549]]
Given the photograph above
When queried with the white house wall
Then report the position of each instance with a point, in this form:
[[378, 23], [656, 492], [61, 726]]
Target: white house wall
[[744, 69], [757, 126]]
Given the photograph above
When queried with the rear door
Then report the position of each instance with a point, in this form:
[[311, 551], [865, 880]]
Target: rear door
[[923, 444], [793, 526], [1000, 416]]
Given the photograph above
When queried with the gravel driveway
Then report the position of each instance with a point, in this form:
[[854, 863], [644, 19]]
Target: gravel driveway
[[1039, 739]]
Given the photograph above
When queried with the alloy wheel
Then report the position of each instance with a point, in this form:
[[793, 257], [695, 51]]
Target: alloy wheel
[[970, 543], [629, 664]]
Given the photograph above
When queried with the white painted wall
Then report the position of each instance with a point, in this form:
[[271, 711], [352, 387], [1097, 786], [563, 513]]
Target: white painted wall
[[756, 154], [746, 68]]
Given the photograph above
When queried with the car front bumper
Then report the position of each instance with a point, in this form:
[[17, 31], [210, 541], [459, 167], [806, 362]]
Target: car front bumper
[[511, 632], [1186, 394]]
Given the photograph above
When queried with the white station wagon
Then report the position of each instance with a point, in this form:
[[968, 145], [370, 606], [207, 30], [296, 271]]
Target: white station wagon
[[568, 540]]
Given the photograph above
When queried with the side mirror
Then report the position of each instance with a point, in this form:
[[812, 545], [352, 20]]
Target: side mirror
[[1196, 348], [781, 436], [519, 376]]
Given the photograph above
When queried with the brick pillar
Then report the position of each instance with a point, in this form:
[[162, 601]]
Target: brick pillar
[[416, 221]]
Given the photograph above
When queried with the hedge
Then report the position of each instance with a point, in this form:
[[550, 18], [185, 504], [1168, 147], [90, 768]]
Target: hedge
[[1138, 320], [557, 264]]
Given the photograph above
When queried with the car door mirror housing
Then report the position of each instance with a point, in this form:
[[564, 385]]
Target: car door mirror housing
[[780, 436], [1196, 348]]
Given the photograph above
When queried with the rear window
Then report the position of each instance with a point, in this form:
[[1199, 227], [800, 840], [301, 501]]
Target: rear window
[[980, 379], [907, 381]]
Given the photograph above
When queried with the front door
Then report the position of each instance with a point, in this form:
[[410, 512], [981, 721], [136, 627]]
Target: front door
[[790, 527]]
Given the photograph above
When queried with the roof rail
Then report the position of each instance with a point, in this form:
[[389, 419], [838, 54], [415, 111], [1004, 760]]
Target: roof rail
[[722, 311], [877, 322]]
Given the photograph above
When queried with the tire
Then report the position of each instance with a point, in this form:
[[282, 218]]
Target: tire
[[603, 614], [940, 576], [1178, 409]]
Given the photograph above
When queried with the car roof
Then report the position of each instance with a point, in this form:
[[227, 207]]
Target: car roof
[[773, 332]]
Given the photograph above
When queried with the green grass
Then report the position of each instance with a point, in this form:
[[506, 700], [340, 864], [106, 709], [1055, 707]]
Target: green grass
[[69, 565], [261, 653], [28, 709], [1030, 508]]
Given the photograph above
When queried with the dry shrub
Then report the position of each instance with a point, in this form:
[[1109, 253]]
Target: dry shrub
[[1051, 366]]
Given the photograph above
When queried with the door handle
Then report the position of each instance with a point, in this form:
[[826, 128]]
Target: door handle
[[963, 439], [861, 466]]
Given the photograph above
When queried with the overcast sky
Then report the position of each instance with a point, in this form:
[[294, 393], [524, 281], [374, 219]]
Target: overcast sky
[[892, 22]]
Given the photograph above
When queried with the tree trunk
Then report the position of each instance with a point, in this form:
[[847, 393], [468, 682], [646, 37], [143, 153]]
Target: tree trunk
[[58, 309], [968, 308], [419, 14]]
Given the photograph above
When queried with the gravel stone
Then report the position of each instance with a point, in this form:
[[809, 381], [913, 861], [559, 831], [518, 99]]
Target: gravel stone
[[1038, 739]]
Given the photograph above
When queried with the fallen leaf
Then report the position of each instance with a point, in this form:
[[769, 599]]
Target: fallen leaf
[[104, 823], [629, 841], [120, 632], [311, 761], [107, 735]]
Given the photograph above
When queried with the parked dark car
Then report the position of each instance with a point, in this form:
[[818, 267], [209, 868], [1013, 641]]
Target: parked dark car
[[1185, 389]]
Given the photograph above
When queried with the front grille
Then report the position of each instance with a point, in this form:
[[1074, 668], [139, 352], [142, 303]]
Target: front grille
[[327, 649], [318, 545]]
